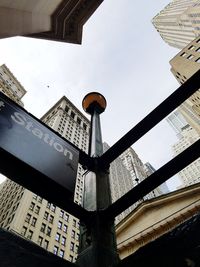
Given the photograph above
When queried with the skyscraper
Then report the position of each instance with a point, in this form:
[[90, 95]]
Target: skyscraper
[[120, 182], [178, 23], [137, 170], [10, 86], [183, 66], [187, 135], [177, 122]]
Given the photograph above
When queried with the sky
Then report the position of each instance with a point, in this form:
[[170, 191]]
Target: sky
[[121, 56]]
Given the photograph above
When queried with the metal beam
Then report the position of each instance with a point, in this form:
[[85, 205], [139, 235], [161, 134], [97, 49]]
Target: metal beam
[[153, 118], [157, 178]]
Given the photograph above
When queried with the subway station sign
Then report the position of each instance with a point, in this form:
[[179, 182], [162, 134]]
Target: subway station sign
[[25, 138]]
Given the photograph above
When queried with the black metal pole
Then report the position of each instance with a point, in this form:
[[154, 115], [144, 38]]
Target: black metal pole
[[97, 240]]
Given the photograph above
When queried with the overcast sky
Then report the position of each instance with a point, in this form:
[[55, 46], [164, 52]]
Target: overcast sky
[[122, 56]]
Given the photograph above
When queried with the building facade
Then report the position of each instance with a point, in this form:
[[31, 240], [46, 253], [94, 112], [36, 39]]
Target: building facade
[[191, 174], [120, 182], [179, 22], [183, 66], [10, 86], [138, 171]]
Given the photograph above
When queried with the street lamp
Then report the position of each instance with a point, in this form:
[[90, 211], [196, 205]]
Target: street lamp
[[97, 240]]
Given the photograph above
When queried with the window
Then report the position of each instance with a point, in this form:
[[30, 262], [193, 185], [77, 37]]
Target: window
[[66, 109], [24, 229], [61, 254], [28, 217], [71, 258], [55, 250], [72, 246], [40, 199], [183, 54], [63, 241], [43, 227], [74, 223], [30, 234], [34, 220], [46, 214], [77, 237], [198, 60], [49, 231], [61, 213], [37, 209], [198, 49], [65, 228], [59, 225], [73, 234], [53, 207], [191, 47], [40, 239], [51, 218], [57, 238], [66, 217], [78, 120], [48, 205], [32, 206], [190, 57], [72, 114], [46, 244]]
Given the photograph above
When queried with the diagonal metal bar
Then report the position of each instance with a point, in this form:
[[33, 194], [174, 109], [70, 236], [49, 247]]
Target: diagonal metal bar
[[153, 118], [157, 178]]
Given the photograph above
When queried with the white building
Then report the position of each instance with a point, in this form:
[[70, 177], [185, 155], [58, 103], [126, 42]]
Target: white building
[[10, 86], [179, 22]]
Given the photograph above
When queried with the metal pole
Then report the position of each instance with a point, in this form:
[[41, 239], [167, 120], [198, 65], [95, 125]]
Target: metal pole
[[97, 240]]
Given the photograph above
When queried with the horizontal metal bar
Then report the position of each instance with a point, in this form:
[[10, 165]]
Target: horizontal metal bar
[[157, 178], [153, 118]]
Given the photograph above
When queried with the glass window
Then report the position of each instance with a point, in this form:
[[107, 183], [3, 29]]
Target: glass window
[[46, 244], [55, 250], [24, 229], [61, 254], [73, 234], [28, 217], [51, 218], [61, 213], [49, 231], [66, 217], [63, 241], [46, 214], [59, 225], [37, 209], [43, 227], [65, 228], [57, 238], [32, 206], [30, 234], [40, 239], [72, 246], [34, 220]]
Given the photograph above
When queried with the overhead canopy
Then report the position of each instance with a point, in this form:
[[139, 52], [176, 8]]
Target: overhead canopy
[[58, 20]]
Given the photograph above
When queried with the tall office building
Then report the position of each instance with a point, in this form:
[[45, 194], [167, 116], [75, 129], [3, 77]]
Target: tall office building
[[191, 174], [137, 170], [161, 189], [120, 182], [10, 86], [183, 66], [187, 135], [177, 122], [32, 217], [178, 23]]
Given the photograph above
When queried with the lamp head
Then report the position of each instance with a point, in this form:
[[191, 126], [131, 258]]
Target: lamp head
[[94, 102]]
